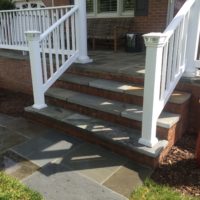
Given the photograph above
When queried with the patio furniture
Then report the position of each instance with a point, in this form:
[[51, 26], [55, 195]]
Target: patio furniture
[[113, 29]]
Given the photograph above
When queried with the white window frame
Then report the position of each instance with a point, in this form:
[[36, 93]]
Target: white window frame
[[119, 13]]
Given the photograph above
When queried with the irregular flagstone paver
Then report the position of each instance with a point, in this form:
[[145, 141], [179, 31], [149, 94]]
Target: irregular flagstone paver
[[44, 149], [9, 138], [16, 166], [93, 162], [26, 128], [128, 178], [64, 168], [4, 119], [57, 182]]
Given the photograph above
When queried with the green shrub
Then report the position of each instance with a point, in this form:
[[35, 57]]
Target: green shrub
[[6, 5]]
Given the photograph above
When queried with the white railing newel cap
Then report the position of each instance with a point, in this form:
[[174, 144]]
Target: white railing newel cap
[[155, 39], [33, 35]]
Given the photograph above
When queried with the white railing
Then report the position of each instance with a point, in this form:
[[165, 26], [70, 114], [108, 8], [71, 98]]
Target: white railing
[[53, 51], [167, 56], [14, 23]]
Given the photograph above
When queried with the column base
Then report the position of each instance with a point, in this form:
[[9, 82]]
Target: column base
[[84, 60], [38, 106], [189, 74], [147, 142]]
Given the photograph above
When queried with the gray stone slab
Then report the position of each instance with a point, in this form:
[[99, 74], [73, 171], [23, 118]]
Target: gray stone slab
[[51, 146], [179, 97], [165, 120], [16, 166], [107, 85], [125, 137], [98, 103], [26, 128], [133, 112], [120, 87], [51, 111], [9, 139], [57, 182], [60, 93], [128, 178], [72, 78], [93, 162], [5, 119]]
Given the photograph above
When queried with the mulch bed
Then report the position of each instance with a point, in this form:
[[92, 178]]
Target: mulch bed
[[178, 170]]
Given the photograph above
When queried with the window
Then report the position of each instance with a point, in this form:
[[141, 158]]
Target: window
[[110, 8]]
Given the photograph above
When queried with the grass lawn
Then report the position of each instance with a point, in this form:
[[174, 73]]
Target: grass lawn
[[11, 189], [153, 191]]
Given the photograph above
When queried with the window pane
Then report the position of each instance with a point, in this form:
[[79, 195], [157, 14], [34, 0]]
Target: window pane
[[128, 5], [90, 6], [107, 6]]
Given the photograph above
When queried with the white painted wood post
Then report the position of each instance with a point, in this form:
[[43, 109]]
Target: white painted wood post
[[154, 52], [81, 26], [33, 38], [193, 41]]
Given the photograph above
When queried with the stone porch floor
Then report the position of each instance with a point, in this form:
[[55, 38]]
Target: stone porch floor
[[62, 167], [131, 64]]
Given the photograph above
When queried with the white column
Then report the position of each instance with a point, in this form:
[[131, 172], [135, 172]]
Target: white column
[[33, 38], [193, 40], [151, 111], [82, 32]]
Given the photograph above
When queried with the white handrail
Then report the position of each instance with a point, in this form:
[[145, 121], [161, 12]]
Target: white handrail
[[14, 23], [52, 52], [57, 23], [167, 56], [33, 9], [178, 18]]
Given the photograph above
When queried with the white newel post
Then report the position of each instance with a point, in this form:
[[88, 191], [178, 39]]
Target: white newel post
[[81, 26], [33, 38], [154, 51], [193, 40]]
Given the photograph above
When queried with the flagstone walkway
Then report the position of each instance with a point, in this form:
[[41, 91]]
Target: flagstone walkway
[[65, 168]]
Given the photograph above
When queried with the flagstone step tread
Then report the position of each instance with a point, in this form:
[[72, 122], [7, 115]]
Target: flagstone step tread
[[123, 136], [120, 87], [130, 111]]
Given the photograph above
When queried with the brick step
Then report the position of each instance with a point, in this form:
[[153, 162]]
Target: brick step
[[119, 91], [118, 138], [117, 112], [109, 74]]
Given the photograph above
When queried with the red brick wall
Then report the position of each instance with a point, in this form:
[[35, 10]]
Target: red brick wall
[[15, 75], [154, 22], [194, 89], [156, 19]]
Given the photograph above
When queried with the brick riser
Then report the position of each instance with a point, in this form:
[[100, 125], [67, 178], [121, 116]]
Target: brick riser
[[162, 133], [126, 98], [107, 75], [87, 136]]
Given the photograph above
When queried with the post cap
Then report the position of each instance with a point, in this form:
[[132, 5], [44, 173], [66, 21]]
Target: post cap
[[32, 35], [155, 39]]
